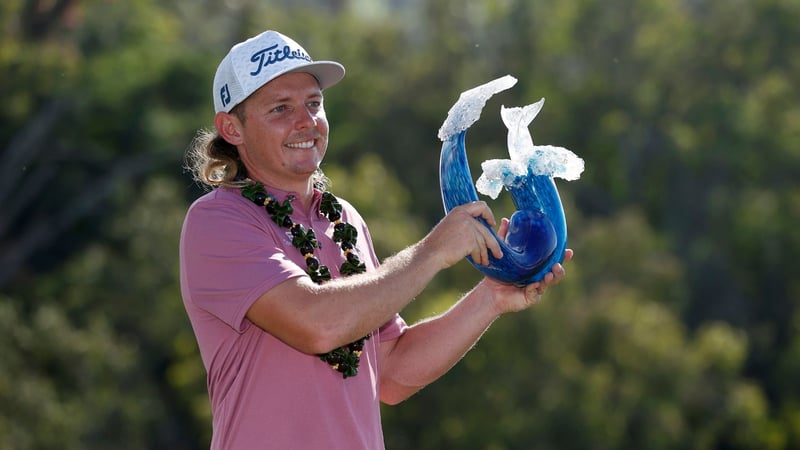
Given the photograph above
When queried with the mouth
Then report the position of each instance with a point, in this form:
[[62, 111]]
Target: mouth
[[302, 145]]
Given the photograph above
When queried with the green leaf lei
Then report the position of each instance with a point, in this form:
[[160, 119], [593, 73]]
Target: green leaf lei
[[344, 359]]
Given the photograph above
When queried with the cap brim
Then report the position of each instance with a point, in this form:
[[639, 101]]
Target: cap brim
[[327, 73]]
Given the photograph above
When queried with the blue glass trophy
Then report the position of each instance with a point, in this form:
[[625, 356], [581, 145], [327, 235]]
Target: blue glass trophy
[[537, 232]]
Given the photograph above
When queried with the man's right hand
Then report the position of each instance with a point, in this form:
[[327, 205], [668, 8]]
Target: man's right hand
[[461, 234]]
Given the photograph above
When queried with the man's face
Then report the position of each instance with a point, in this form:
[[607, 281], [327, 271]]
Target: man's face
[[285, 131]]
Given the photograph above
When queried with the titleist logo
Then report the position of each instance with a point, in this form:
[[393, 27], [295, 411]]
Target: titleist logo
[[273, 55]]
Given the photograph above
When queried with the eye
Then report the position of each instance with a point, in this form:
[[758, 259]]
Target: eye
[[280, 108], [315, 105]]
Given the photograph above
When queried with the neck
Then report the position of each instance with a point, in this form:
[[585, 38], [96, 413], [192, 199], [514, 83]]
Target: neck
[[305, 194], [303, 190]]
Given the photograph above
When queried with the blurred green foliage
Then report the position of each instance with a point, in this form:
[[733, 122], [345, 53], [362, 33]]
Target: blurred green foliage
[[678, 324]]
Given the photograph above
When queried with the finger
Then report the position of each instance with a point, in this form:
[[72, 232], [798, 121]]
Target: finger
[[554, 276], [479, 253], [568, 254], [492, 243], [503, 230], [480, 209], [558, 271]]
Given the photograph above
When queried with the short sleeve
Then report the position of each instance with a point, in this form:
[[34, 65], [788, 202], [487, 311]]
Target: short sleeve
[[229, 258], [393, 329]]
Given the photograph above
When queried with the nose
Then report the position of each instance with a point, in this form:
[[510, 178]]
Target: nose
[[304, 118]]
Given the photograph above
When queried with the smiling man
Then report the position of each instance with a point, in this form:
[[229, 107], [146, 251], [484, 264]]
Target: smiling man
[[297, 321]]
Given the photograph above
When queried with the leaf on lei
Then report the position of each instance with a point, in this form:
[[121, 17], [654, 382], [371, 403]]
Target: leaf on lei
[[305, 238], [251, 190], [349, 268], [344, 232], [320, 275], [330, 204], [280, 211]]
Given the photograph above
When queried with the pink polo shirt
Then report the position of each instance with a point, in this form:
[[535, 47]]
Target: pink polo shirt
[[265, 394]]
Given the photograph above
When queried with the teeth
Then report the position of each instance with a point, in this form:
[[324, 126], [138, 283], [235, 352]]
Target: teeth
[[306, 144]]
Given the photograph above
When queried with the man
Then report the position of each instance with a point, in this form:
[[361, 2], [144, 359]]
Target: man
[[297, 322]]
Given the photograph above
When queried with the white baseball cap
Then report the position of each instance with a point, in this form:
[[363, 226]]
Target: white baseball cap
[[259, 60]]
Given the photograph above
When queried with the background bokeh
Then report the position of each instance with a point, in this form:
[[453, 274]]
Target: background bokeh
[[677, 326]]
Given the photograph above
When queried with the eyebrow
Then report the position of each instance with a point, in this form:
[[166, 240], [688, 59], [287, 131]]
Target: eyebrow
[[286, 98]]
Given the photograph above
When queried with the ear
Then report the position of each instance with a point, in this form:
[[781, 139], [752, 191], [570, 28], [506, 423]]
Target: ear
[[229, 127]]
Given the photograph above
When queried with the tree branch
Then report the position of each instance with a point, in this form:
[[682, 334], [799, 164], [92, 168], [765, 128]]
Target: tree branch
[[43, 233]]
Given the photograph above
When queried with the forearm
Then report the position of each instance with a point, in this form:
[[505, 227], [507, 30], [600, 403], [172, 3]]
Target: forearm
[[324, 316], [429, 349]]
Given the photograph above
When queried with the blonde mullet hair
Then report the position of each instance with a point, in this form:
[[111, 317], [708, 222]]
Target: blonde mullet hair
[[213, 161]]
